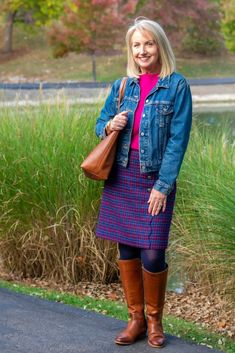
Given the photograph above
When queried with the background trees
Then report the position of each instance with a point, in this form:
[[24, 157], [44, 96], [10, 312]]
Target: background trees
[[97, 27], [39, 11], [193, 26], [90, 26]]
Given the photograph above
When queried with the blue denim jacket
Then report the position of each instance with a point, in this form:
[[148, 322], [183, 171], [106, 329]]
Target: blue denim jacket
[[164, 128]]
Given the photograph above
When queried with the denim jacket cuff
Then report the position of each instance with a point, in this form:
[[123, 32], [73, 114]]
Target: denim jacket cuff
[[163, 187], [102, 134]]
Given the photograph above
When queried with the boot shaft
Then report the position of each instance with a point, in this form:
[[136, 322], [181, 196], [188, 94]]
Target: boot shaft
[[132, 282], [154, 291]]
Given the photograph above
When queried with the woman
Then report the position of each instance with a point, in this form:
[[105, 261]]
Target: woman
[[138, 198]]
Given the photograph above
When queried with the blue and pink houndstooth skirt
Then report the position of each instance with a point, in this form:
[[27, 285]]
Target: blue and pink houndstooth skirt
[[123, 215]]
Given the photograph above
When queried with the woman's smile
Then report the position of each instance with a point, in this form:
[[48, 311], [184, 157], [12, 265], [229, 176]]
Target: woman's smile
[[144, 58]]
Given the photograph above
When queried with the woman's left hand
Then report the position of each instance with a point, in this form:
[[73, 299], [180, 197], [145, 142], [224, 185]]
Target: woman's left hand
[[157, 202]]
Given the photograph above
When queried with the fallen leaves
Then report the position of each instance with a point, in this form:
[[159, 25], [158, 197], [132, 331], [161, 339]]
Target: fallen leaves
[[210, 311]]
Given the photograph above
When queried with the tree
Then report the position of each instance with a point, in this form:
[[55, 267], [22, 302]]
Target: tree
[[42, 12], [90, 26], [203, 30], [228, 23], [192, 26]]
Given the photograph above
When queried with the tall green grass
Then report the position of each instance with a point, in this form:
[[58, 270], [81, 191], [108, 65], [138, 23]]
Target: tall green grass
[[48, 209], [203, 232]]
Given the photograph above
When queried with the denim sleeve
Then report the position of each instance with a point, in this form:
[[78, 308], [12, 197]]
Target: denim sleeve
[[178, 140], [108, 111]]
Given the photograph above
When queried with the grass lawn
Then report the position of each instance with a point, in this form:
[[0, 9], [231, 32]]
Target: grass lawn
[[38, 64], [173, 325]]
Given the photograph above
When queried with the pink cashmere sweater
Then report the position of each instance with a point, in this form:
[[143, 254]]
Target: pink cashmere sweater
[[146, 82]]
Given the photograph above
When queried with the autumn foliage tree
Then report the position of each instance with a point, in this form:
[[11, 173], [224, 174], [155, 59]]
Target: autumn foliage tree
[[42, 11], [192, 26], [91, 27]]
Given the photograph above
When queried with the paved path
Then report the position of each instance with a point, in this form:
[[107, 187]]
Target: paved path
[[33, 325], [211, 93], [88, 84]]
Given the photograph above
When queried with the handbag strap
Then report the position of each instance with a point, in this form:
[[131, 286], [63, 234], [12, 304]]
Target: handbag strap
[[121, 91]]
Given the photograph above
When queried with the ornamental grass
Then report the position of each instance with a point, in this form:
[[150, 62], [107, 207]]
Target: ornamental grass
[[48, 209]]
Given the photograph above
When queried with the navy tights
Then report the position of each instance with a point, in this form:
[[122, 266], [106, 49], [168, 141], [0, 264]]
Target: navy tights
[[152, 260]]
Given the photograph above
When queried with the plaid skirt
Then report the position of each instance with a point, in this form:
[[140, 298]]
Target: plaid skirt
[[123, 215]]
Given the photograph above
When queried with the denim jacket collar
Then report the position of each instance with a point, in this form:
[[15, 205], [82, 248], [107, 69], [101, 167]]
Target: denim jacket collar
[[162, 82]]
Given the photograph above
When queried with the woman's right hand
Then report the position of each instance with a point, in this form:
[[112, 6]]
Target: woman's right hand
[[118, 122]]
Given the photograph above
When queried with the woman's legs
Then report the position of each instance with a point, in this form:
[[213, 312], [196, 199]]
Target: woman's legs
[[154, 280], [152, 260], [128, 252], [143, 274]]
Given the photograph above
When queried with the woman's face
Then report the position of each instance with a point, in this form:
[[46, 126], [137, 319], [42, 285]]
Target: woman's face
[[145, 52]]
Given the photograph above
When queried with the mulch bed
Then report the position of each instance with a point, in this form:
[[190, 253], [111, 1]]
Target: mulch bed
[[210, 311]]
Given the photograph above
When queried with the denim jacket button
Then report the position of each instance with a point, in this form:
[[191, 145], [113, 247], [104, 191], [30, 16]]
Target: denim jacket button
[[149, 177], [143, 115], [142, 134], [149, 189], [142, 151], [147, 100]]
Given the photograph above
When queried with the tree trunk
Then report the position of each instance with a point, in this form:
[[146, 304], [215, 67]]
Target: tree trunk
[[93, 58], [7, 40]]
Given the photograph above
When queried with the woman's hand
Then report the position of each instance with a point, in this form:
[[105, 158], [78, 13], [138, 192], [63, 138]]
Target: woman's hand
[[157, 202], [118, 122]]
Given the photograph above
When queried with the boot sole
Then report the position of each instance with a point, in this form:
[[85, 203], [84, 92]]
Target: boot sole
[[140, 337]]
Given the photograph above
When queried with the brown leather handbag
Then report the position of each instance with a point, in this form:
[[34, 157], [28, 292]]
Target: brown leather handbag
[[99, 162]]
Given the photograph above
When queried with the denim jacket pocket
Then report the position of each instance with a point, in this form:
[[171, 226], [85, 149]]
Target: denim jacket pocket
[[164, 113], [127, 103]]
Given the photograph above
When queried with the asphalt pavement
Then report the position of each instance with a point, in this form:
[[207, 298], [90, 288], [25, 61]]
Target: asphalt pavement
[[210, 93], [90, 84], [29, 324]]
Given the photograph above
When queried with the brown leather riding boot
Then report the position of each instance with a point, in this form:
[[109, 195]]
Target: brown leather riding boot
[[132, 282], [154, 292]]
